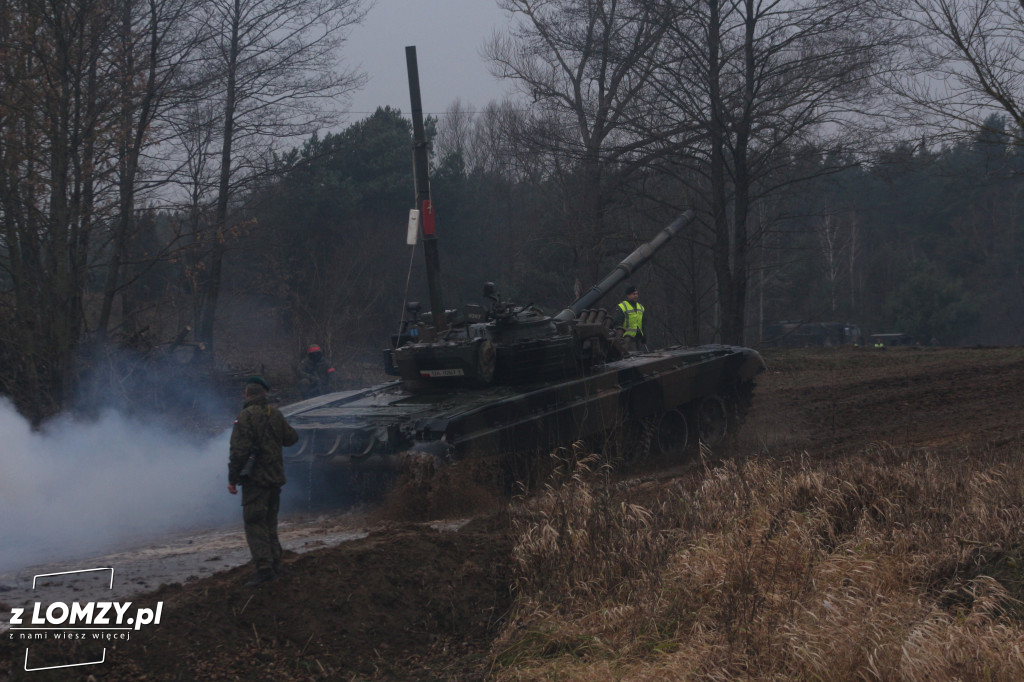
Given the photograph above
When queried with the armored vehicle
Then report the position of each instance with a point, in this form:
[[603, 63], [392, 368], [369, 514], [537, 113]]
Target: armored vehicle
[[509, 382], [799, 334]]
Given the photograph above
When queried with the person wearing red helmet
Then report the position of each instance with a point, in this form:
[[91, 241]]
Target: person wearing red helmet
[[315, 373]]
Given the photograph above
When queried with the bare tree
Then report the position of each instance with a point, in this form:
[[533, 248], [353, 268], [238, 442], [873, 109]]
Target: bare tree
[[274, 70], [196, 128], [152, 50], [759, 83], [582, 63], [967, 59], [835, 250], [454, 131], [88, 91], [55, 156]]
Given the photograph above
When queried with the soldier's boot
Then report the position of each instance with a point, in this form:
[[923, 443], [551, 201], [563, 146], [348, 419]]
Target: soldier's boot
[[281, 569], [261, 576]]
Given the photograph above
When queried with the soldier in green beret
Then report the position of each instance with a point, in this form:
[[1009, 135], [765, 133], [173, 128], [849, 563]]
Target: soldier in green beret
[[256, 463]]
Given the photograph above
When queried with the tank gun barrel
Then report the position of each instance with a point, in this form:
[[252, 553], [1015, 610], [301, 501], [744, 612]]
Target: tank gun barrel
[[627, 267]]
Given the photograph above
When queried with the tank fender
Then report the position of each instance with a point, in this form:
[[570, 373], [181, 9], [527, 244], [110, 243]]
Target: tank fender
[[431, 429], [752, 365]]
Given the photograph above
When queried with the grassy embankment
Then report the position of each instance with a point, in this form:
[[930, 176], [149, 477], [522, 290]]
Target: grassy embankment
[[894, 563]]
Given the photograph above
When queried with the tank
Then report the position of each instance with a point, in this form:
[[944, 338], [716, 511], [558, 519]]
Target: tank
[[508, 383]]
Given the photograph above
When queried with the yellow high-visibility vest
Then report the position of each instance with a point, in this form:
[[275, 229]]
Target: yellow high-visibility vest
[[632, 318]]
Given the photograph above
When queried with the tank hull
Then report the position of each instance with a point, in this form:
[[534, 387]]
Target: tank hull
[[378, 427]]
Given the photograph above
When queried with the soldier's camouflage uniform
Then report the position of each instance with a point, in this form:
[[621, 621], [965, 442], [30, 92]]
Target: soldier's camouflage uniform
[[314, 376], [260, 428]]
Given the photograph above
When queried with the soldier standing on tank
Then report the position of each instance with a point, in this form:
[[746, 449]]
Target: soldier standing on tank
[[315, 373], [629, 316], [256, 463]]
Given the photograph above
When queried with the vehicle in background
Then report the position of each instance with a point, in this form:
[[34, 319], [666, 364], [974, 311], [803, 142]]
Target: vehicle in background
[[890, 340], [799, 334]]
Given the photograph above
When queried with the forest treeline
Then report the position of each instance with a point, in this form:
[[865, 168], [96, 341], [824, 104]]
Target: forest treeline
[[160, 160]]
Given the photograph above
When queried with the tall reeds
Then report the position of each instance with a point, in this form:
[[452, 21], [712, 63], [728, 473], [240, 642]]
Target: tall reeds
[[894, 565]]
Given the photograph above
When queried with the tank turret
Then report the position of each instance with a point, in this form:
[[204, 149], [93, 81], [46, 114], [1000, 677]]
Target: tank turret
[[516, 344], [504, 343]]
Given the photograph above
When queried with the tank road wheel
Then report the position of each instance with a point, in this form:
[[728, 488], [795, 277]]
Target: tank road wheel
[[712, 419], [673, 433]]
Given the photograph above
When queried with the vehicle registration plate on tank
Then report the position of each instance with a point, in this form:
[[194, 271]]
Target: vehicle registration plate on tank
[[441, 372]]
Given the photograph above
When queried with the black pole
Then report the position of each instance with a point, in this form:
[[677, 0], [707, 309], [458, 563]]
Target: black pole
[[423, 203]]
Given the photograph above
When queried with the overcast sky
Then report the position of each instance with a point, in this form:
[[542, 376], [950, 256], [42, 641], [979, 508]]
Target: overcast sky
[[448, 35]]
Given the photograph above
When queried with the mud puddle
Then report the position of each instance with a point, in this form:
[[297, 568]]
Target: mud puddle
[[178, 558]]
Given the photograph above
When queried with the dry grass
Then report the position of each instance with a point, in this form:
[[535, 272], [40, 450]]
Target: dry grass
[[889, 566]]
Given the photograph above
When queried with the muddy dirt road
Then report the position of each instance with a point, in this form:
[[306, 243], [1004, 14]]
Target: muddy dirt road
[[180, 558]]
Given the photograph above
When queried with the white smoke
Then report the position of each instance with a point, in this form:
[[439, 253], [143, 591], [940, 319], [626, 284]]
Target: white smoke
[[81, 488]]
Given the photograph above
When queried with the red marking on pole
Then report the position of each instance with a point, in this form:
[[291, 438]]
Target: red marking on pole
[[428, 218]]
